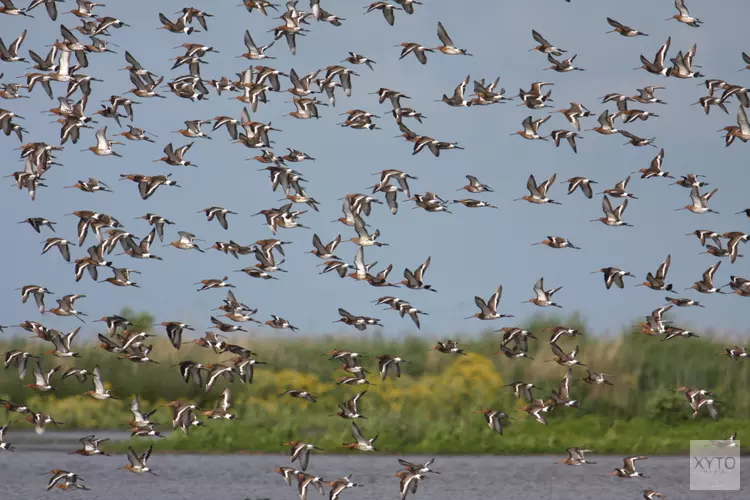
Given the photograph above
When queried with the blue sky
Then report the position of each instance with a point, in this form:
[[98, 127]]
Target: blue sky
[[472, 250]]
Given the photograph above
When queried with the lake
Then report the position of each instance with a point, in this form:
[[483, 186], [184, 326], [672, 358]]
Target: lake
[[230, 477]]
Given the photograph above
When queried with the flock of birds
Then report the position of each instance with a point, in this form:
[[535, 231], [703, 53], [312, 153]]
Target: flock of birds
[[67, 63]]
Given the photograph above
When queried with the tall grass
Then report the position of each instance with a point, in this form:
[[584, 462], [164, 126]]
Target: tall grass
[[431, 408]]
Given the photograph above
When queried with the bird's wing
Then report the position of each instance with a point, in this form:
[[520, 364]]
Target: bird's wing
[[546, 184], [539, 290], [565, 385], [38, 375], [482, 305], [495, 299], [539, 38], [135, 408], [532, 187], [419, 273], [708, 276], [249, 43], [661, 273], [98, 385], [619, 210], [226, 400], [557, 351], [443, 35], [56, 479], [357, 434], [133, 457], [742, 121], [359, 226], [359, 261], [607, 207], [661, 54], [680, 5], [101, 139]]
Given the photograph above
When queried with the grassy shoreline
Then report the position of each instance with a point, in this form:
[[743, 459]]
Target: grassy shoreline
[[634, 437], [431, 409]]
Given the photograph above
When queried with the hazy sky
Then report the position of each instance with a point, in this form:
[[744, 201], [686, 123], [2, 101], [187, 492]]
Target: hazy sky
[[473, 250]]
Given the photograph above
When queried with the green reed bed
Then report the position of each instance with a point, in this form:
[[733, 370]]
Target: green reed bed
[[432, 408]]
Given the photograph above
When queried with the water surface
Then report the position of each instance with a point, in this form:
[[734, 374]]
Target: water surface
[[227, 477]]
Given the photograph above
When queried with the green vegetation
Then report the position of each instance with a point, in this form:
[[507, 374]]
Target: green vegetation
[[432, 408]]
